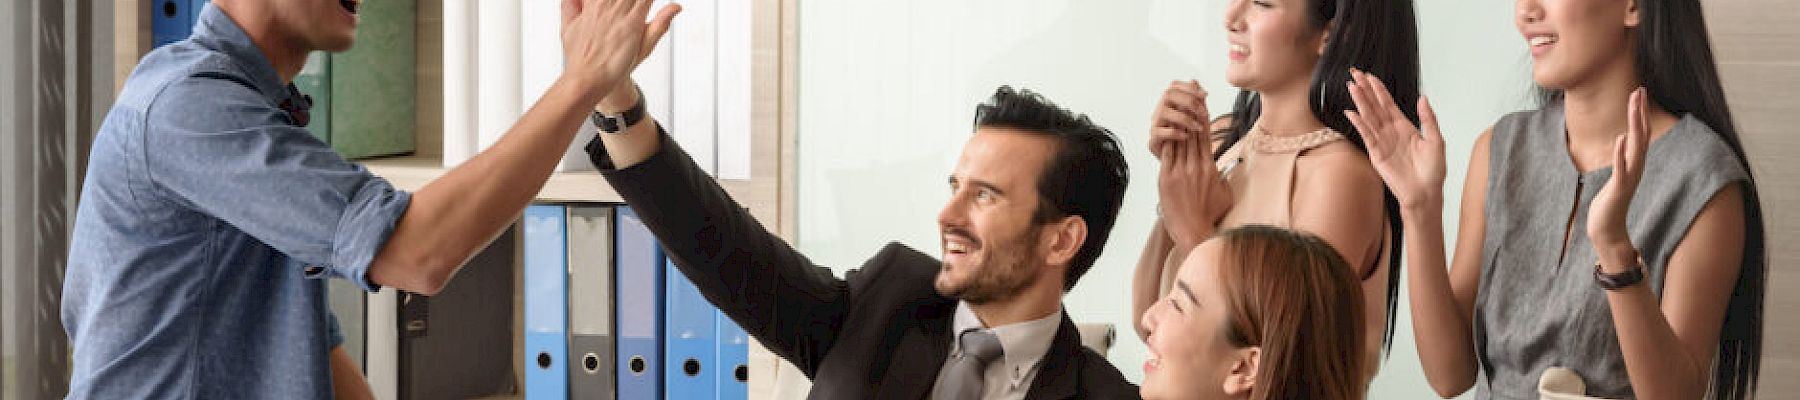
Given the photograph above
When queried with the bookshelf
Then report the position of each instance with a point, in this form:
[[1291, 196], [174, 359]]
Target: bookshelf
[[769, 193]]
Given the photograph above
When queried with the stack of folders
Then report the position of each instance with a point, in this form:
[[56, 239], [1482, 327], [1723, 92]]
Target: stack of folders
[[608, 316], [365, 99], [458, 344], [500, 57]]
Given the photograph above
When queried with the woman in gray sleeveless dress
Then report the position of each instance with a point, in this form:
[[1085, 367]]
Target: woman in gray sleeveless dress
[[1633, 260]]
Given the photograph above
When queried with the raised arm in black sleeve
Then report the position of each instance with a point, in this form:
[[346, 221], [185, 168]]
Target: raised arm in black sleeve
[[794, 307]]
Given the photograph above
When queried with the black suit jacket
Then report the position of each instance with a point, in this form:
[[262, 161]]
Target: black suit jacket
[[883, 333]]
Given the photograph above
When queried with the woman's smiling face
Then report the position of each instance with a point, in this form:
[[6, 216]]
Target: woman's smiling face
[[1273, 44], [1190, 356], [1572, 41]]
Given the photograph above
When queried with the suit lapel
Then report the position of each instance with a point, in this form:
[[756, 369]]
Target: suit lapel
[[920, 352], [1059, 373], [917, 359]]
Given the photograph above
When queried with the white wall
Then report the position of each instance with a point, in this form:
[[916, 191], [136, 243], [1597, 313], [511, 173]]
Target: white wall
[[887, 94]]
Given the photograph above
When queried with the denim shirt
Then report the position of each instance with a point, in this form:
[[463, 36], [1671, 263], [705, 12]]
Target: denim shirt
[[208, 220]]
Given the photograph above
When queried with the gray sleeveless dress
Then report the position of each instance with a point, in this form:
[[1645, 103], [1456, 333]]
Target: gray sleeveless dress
[[1539, 307]]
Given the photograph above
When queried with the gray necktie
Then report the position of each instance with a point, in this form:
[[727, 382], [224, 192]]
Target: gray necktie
[[962, 381]]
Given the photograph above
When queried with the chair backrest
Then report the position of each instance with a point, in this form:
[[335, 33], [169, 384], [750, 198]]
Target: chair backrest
[[1097, 336]]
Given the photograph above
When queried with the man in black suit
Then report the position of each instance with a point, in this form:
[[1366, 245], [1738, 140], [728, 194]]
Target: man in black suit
[[1032, 200]]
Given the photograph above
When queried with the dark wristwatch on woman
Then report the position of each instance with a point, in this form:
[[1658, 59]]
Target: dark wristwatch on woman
[[613, 124], [1629, 278]]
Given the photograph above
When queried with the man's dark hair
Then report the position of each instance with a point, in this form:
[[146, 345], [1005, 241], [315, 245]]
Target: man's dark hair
[[1086, 178]]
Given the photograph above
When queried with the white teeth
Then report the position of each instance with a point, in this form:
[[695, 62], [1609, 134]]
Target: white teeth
[[1542, 40], [1238, 48], [955, 247]]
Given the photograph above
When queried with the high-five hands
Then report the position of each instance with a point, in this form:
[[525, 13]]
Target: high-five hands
[[1411, 162], [1606, 216], [603, 40], [1194, 197]]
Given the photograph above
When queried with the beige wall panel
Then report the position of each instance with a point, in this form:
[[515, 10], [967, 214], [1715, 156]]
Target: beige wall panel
[[1758, 49], [1755, 31]]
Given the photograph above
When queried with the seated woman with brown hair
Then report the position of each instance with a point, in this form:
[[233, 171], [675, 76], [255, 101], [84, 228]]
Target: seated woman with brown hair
[[1258, 312]]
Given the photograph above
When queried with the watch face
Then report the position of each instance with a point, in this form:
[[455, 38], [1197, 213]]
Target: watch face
[[604, 123], [614, 124]]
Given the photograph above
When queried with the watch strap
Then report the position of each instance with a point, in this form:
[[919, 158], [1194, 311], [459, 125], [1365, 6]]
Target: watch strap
[[614, 124], [1631, 277]]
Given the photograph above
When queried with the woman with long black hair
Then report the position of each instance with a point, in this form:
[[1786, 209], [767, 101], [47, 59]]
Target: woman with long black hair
[[1613, 233], [1290, 158]]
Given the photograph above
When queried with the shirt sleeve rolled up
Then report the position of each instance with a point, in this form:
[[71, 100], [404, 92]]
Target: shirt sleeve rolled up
[[219, 146]]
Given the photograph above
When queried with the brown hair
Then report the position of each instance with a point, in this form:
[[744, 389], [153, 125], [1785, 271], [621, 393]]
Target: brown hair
[[1293, 295]]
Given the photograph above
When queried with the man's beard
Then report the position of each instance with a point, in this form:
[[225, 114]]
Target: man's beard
[[1001, 276]]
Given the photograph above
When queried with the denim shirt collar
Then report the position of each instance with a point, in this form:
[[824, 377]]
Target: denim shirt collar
[[217, 31]]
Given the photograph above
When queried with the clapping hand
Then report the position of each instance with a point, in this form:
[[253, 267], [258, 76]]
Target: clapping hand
[[1193, 195], [1606, 216], [1409, 160]]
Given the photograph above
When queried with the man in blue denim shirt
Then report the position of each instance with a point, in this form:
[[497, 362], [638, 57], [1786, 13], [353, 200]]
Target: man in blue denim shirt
[[209, 214]]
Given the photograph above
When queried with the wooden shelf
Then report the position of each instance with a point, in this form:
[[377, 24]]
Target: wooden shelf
[[411, 173]]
